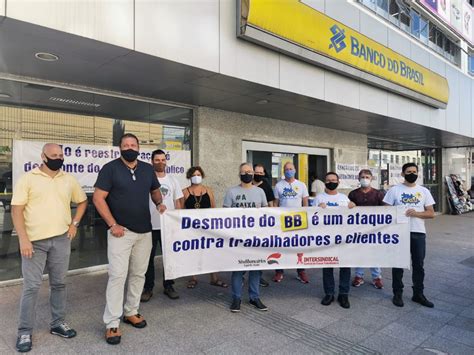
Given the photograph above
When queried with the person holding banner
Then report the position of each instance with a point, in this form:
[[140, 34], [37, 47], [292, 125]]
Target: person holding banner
[[419, 206], [332, 198], [198, 196], [121, 196], [41, 215], [290, 192], [246, 195], [171, 194], [366, 195]]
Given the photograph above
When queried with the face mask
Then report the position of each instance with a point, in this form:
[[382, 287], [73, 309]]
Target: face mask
[[258, 178], [411, 178], [290, 174], [196, 180], [54, 164], [160, 167], [364, 182], [129, 155], [331, 185], [246, 178]]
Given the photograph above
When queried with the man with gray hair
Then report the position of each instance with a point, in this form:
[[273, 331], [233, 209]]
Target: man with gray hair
[[42, 217]]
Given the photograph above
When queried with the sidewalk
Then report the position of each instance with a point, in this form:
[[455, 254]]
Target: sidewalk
[[296, 323]]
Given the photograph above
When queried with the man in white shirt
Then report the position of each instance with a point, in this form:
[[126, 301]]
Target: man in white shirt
[[419, 206], [332, 198], [290, 192], [317, 187], [172, 194]]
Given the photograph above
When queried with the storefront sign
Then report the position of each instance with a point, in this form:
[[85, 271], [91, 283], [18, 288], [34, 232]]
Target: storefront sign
[[293, 22], [230, 239], [85, 161]]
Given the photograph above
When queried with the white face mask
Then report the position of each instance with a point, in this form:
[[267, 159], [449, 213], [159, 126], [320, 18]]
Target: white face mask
[[364, 182], [196, 180]]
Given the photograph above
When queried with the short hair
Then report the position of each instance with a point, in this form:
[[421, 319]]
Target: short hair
[[129, 135], [331, 173], [409, 165], [243, 164], [365, 171], [288, 162], [258, 165], [157, 152], [192, 170]]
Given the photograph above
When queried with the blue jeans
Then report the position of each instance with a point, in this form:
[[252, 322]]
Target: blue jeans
[[376, 272], [344, 280], [254, 284]]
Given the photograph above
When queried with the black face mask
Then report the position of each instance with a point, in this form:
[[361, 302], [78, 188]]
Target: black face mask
[[331, 185], [246, 178], [129, 155], [411, 178], [54, 164], [258, 178]]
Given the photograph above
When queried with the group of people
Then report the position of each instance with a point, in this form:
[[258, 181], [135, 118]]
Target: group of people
[[130, 195]]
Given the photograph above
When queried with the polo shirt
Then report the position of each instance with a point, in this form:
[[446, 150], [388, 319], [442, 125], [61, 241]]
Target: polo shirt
[[128, 198], [47, 202], [373, 197]]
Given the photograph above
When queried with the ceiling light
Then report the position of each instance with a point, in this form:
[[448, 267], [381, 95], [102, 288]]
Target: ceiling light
[[48, 57], [261, 102], [184, 119], [73, 102], [4, 95]]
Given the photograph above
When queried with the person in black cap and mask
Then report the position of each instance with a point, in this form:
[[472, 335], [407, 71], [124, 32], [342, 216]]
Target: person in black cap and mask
[[121, 196], [331, 198]]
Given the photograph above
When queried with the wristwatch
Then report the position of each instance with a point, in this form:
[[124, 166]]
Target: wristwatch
[[75, 223]]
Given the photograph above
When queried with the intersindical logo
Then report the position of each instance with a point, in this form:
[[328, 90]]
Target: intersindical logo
[[273, 258], [337, 40]]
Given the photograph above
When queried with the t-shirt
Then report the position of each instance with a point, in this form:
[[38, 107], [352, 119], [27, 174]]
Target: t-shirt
[[170, 191], [373, 197], [128, 199], [317, 186], [238, 196], [416, 197], [290, 194], [268, 191], [337, 200]]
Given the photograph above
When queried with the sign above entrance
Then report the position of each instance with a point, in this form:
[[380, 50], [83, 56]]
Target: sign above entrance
[[299, 30]]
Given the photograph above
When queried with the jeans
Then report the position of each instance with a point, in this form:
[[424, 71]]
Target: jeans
[[52, 253], [254, 284], [150, 272], [418, 251], [376, 272], [282, 271], [344, 280]]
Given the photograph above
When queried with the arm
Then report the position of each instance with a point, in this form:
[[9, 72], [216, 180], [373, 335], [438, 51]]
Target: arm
[[271, 203], [80, 210], [157, 200], [211, 197], [101, 205], [26, 247], [428, 213], [276, 203], [305, 201]]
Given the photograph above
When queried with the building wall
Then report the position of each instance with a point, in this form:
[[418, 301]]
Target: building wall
[[218, 137]]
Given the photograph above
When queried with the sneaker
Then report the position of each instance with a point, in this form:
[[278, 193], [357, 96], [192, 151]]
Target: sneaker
[[377, 282], [421, 299], [327, 300], [303, 277], [136, 321], [397, 299], [63, 330], [264, 283], [358, 281], [171, 293], [258, 304], [146, 295], [24, 343], [235, 306], [278, 276], [343, 300], [113, 336]]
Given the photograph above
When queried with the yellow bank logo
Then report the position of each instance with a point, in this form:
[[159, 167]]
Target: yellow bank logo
[[292, 221]]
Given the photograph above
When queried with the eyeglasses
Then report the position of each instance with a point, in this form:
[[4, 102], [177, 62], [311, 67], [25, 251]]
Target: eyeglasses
[[132, 171]]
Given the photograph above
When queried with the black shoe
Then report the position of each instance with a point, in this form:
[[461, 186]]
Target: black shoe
[[171, 293], [258, 304], [327, 300], [421, 299], [264, 283], [63, 330], [235, 306], [113, 336], [397, 299], [146, 295], [344, 301], [24, 343]]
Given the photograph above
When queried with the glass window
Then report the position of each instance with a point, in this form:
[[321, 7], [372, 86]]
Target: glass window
[[369, 3], [394, 12], [471, 64], [423, 30], [415, 23], [397, 159], [382, 8]]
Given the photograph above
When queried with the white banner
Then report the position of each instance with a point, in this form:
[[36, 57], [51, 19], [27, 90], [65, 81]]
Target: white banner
[[85, 161], [349, 175], [231, 239]]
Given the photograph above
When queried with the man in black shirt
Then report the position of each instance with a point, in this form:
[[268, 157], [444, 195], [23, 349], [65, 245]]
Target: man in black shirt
[[121, 197]]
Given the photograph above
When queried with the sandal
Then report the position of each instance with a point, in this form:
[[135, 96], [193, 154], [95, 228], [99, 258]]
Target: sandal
[[219, 283], [192, 283]]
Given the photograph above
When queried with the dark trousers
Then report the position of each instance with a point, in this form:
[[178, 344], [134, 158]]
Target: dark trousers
[[344, 280], [418, 251], [150, 272]]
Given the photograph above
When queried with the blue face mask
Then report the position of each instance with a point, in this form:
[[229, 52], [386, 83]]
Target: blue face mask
[[290, 174]]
